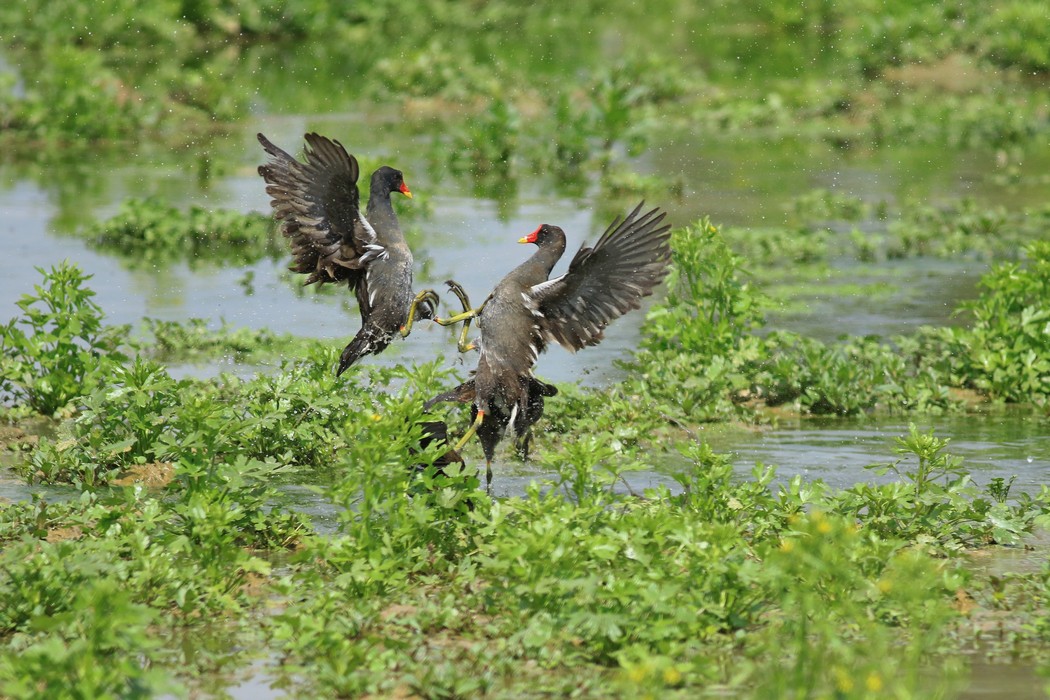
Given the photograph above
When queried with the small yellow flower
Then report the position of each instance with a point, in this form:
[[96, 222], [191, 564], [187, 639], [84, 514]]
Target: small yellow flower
[[637, 673], [377, 417], [873, 682], [884, 585], [787, 546], [843, 681], [824, 527], [672, 676]]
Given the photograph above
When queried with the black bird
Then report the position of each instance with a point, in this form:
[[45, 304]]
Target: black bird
[[491, 431], [527, 310], [332, 241]]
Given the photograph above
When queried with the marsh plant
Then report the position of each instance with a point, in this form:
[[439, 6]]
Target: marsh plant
[[703, 355], [52, 353], [148, 232]]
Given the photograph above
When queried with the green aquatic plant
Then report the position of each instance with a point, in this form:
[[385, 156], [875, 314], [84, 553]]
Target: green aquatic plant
[[53, 352], [149, 232], [803, 581], [1006, 352], [696, 344], [1014, 35], [822, 205], [933, 499], [131, 418], [962, 229], [194, 340], [704, 353], [298, 415], [102, 647], [855, 615]]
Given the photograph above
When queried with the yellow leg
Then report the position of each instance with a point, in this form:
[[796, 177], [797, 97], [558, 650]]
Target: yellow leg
[[468, 313], [470, 431], [425, 295], [461, 342], [453, 320]]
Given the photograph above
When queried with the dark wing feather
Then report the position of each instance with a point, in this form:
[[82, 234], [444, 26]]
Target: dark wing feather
[[605, 281], [317, 201], [464, 393]]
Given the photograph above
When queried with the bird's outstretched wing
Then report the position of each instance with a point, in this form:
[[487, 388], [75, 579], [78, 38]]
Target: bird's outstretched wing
[[317, 201], [605, 281]]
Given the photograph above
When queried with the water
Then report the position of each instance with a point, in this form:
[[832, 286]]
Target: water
[[465, 237], [837, 451]]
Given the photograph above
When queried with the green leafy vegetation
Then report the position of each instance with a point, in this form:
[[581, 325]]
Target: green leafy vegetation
[[177, 70], [52, 353], [146, 233], [422, 583], [702, 357]]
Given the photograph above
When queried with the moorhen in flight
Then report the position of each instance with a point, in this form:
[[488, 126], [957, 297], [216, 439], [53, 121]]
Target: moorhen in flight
[[527, 310], [332, 241]]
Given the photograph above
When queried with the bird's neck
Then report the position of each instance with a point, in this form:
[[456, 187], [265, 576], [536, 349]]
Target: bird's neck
[[380, 211], [548, 255]]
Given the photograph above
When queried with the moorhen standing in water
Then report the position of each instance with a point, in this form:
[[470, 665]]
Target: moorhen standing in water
[[332, 241], [527, 310]]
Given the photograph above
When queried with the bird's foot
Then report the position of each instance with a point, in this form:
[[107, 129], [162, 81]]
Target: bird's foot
[[424, 306], [457, 289]]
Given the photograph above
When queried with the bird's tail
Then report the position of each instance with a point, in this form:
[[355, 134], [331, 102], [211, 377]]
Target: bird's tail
[[368, 341]]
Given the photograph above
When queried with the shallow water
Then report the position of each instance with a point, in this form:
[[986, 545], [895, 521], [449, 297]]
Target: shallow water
[[837, 451], [471, 238]]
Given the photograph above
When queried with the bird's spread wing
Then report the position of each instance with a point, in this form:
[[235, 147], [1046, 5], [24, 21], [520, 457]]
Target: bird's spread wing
[[606, 281], [317, 201]]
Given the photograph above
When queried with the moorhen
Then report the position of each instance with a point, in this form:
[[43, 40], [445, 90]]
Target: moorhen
[[527, 310], [490, 432], [332, 241]]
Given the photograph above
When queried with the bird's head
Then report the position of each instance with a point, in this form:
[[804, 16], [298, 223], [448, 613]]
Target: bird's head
[[542, 234], [392, 179]]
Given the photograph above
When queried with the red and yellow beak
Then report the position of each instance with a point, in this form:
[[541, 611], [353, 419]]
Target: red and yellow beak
[[404, 190], [531, 238]]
